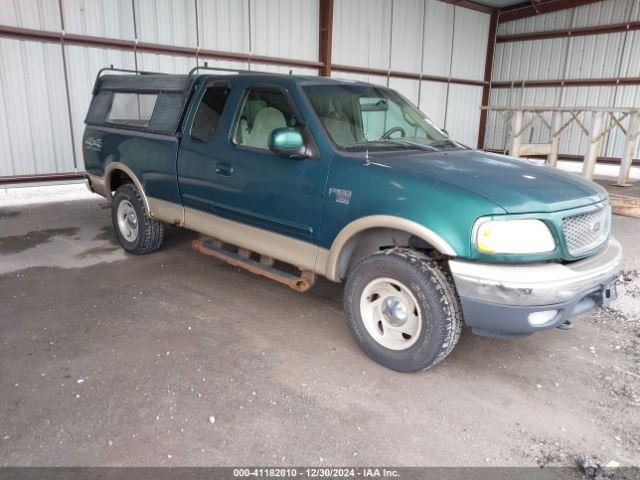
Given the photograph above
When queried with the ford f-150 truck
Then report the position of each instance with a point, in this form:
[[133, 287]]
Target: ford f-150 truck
[[350, 181]]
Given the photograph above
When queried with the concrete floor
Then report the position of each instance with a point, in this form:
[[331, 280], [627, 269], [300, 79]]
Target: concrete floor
[[112, 359]]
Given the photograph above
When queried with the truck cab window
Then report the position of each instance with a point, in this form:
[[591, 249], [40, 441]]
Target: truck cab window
[[208, 114], [359, 117], [263, 110]]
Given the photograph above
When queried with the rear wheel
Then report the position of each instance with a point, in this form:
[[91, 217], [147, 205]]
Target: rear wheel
[[136, 232], [402, 309]]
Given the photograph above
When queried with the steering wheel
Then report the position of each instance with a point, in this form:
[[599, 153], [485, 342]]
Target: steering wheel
[[387, 135]]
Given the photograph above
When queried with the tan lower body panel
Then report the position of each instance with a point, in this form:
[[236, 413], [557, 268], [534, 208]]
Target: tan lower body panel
[[303, 255], [166, 211], [286, 249], [97, 185]]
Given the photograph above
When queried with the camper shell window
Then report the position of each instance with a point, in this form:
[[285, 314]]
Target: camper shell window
[[132, 108], [146, 102]]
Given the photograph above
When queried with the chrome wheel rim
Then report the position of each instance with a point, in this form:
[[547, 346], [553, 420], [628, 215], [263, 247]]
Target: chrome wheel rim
[[127, 220], [390, 313]]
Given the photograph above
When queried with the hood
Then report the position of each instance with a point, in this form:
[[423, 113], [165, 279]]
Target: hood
[[516, 185]]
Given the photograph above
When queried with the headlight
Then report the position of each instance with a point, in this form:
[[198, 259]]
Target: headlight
[[513, 236]]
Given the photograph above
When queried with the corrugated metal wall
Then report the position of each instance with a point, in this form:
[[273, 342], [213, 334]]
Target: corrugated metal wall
[[428, 37], [38, 120], [35, 129], [611, 55], [35, 132]]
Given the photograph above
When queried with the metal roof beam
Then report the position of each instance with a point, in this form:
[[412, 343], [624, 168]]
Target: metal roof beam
[[570, 32], [568, 82], [526, 9], [102, 42], [401, 74], [471, 5], [534, 4]]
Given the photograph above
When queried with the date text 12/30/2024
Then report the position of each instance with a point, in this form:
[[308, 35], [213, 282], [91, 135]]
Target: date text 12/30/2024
[[316, 472]]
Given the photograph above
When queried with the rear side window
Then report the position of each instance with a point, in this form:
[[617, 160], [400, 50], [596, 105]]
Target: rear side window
[[133, 109], [208, 114]]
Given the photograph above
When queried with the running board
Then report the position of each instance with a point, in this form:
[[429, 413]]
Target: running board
[[242, 258]]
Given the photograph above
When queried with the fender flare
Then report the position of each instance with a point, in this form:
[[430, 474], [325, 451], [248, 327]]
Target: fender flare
[[380, 221], [113, 166]]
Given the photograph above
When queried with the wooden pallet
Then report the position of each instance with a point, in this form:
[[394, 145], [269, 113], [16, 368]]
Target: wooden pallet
[[624, 200], [627, 206], [241, 257]]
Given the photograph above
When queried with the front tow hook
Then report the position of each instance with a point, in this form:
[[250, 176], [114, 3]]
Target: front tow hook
[[566, 325]]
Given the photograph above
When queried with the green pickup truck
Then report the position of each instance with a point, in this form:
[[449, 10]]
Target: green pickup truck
[[296, 176]]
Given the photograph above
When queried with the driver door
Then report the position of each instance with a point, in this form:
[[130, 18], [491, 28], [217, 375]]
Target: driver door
[[255, 186]]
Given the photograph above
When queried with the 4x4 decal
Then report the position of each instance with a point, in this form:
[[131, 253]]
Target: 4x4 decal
[[93, 144]]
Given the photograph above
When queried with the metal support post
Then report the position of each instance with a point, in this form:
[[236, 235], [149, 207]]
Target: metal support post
[[595, 142], [516, 134], [633, 132], [556, 125]]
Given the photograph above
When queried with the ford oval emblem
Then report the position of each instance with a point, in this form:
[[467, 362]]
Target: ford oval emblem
[[595, 227]]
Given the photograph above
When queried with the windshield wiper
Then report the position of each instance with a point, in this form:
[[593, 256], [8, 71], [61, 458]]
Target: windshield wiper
[[378, 144], [417, 145], [447, 144]]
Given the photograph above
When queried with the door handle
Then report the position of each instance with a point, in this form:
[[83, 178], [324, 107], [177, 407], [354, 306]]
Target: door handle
[[223, 169]]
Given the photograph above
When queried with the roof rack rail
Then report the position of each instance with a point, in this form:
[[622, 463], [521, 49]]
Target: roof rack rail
[[224, 69], [128, 70], [192, 73], [206, 66], [111, 68]]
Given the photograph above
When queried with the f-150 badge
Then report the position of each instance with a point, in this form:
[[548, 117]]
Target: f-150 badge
[[342, 196]]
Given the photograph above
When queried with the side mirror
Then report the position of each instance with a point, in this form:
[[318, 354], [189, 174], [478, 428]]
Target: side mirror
[[287, 142]]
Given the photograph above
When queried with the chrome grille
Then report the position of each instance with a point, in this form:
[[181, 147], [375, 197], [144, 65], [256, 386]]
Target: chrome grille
[[587, 231]]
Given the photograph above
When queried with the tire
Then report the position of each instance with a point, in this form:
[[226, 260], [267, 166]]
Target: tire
[[136, 232], [379, 295]]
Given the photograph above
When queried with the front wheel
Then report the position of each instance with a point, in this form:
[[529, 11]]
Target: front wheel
[[402, 309], [136, 232]]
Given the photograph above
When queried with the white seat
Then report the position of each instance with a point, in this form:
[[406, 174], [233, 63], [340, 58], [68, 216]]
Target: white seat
[[340, 130], [266, 121]]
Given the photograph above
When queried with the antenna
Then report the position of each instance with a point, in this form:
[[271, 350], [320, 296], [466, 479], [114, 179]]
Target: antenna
[[366, 140]]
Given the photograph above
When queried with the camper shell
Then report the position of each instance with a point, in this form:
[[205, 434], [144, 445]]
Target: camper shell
[[159, 98]]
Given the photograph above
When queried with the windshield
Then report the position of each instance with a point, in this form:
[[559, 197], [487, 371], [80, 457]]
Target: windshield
[[358, 117]]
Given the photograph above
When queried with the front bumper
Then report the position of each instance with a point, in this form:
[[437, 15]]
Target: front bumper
[[498, 300]]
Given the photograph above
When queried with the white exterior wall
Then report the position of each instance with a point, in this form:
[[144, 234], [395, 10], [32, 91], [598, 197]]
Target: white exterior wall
[[35, 135], [224, 25], [416, 36], [610, 55], [82, 66], [99, 18], [36, 14], [170, 22]]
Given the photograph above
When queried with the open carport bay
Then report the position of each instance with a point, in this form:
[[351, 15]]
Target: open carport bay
[[179, 359]]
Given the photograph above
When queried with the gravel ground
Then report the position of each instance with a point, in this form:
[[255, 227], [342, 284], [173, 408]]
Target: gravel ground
[[178, 359]]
